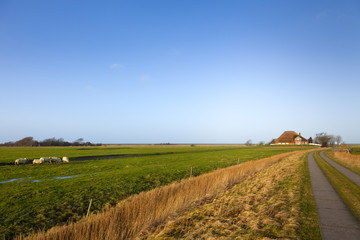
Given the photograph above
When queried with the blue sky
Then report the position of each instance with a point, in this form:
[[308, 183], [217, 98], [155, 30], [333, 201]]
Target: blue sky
[[179, 71]]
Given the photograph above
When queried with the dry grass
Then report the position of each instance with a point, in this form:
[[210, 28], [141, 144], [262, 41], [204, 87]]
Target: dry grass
[[148, 209], [348, 160], [265, 206], [347, 190]]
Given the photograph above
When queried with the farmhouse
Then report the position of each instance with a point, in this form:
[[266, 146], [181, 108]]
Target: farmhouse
[[291, 138]]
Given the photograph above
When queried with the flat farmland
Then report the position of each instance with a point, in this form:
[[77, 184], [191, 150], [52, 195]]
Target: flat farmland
[[34, 197], [9, 154], [356, 150]]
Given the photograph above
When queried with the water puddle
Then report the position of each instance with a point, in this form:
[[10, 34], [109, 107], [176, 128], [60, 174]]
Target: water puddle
[[66, 177], [12, 180], [29, 179], [35, 180]]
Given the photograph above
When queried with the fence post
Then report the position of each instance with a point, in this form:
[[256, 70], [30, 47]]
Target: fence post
[[191, 172], [88, 211]]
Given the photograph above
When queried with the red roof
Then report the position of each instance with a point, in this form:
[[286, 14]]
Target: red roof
[[288, 137]]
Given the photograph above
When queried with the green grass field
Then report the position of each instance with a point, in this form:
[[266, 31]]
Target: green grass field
[[42, 196], [9, 154], [356, 151]]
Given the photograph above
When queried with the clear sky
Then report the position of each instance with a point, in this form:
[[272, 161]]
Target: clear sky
[[179, 71]]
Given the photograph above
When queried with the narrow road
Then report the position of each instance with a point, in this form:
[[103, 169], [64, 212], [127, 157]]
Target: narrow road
[[335, 220], [355, 178]]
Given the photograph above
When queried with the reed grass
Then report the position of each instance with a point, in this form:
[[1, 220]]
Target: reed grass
[[271, 204], [347, 160], [147, 209]]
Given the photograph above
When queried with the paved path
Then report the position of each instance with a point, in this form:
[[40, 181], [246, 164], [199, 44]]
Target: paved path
[[335, 220], [347, 173]]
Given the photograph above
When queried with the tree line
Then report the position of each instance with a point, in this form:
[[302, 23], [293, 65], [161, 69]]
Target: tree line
[[328, 140], [30, 142]]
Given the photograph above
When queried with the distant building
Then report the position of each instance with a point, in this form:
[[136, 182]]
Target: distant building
[[290, 138]]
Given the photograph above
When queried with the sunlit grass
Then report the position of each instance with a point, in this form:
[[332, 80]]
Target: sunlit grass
[[347, 160], [347, 190], [276, 203], [28, 206]]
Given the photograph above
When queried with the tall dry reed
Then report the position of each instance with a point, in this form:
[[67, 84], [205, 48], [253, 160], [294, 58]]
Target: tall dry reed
[[350, 160], [139, 212], [261, 205]]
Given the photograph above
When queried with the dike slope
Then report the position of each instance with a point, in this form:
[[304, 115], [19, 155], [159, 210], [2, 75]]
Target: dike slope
[[267, 205]]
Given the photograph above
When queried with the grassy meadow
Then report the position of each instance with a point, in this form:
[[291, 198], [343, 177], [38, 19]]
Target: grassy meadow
[[42, 196], [9, 154]]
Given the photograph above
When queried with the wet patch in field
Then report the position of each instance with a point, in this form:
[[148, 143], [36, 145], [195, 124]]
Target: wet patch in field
[[12, 180], [29, 179]]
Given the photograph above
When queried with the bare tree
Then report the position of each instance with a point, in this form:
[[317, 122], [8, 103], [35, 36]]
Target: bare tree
[[324, 139], [25, 142], [30, 142], [338, 140], [78, 142], [8, 144], [261, 143], [332, 141], [248, 142]]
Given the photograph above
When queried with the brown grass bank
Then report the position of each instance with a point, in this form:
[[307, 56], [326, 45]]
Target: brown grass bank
[[137, 213], [348, 160], [270, 204]]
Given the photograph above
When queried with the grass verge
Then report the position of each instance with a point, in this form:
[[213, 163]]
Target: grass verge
[[307, 219], [274, 203], [347, 190], [347, 160]]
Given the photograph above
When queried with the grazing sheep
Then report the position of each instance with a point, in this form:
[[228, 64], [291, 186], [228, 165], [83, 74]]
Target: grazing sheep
[[65, 159], [55, 160], [45, 159], [21, 161], [38, 161]]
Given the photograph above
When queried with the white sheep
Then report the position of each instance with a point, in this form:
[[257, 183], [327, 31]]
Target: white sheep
[[55, 160], [38, 161], [65, 159], [45, 159], [21, 161]]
